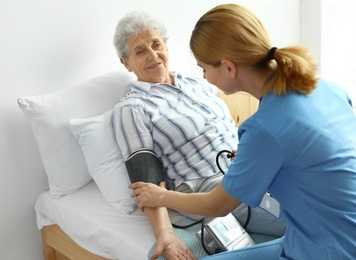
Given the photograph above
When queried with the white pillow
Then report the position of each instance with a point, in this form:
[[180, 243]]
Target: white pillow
[[49, 116], [104, 159]]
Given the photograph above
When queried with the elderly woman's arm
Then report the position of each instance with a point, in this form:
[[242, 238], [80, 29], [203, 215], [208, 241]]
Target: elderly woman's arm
[[168, 244]]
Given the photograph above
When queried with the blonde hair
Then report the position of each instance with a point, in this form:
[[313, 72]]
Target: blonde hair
[[233, 32]]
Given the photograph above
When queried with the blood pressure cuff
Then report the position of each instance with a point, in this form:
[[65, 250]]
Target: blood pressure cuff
[[144, 165]]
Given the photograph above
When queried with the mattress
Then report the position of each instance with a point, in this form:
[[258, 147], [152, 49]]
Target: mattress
[[93, 224], [97, 227]]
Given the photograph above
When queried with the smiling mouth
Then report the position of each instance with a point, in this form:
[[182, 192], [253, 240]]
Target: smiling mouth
[[153, 66]]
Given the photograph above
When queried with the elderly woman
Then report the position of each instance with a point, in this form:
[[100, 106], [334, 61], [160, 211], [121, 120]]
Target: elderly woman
[[178, 118]]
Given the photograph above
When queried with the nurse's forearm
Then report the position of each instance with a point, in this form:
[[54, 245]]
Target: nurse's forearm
[[214, 203]]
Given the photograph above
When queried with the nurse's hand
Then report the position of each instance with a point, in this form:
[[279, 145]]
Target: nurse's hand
[[148, 194], [233, 151]]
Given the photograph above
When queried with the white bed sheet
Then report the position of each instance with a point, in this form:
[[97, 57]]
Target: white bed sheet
[[94, 225]]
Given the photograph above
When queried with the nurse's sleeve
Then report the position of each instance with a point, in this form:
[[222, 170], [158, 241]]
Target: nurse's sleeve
[[258, 159]]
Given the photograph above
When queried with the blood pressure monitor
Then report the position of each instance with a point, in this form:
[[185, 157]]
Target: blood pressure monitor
[[225, 234]]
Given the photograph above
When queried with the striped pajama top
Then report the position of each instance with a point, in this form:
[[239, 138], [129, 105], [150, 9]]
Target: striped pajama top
[[185, 125]]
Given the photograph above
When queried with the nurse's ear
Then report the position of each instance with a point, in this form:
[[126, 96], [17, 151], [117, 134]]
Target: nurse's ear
[[230, 67]]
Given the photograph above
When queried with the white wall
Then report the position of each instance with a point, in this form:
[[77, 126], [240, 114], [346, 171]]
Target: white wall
[[49, 45], [338, 59], [328, 28], [310, 24]]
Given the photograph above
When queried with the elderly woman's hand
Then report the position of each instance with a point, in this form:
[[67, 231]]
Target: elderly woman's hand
[[169, 245], [148, 194]]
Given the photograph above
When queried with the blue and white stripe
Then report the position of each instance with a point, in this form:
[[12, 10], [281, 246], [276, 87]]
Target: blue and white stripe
[[186, 125]]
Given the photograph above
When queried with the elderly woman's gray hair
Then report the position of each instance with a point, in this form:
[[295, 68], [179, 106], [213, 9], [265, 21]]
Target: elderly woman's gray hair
[[132, 24]]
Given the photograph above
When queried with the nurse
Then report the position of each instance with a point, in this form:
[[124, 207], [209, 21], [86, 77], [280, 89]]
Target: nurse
[[300, 146]]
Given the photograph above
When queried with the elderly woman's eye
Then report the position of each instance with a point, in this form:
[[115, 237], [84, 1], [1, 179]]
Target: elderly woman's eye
[[157, 45]]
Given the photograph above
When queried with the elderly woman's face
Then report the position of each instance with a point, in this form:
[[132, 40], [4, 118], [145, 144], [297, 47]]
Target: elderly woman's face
[[148, 57]]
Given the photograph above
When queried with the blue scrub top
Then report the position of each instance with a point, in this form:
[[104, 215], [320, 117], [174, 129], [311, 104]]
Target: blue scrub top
[[302, 150]]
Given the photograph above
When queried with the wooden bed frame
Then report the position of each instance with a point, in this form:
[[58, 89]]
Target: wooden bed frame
[[241, 105], [59, 246]]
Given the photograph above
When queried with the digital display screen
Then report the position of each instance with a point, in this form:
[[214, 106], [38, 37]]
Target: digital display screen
[[222, 231]]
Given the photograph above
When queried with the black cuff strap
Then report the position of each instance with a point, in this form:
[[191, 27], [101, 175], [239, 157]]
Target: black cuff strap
[[144, 165]]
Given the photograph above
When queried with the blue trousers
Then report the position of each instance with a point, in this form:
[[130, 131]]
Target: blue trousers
[[266, 251]]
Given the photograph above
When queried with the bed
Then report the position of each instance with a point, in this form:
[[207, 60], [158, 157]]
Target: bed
[[104, 233], [88, 212]]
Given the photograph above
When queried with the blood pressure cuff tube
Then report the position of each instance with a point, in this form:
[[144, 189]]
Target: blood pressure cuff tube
[[144, 165]]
